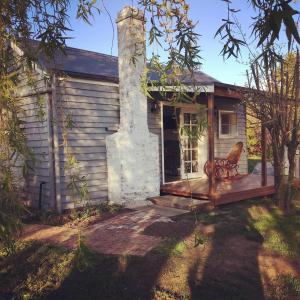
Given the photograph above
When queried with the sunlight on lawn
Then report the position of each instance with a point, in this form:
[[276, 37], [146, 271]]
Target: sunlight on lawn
[[281, 233]]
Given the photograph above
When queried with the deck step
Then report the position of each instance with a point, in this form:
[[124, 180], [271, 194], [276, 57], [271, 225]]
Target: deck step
[[180, 202]]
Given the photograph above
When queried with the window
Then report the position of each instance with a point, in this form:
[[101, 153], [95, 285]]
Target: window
[[227, 124]]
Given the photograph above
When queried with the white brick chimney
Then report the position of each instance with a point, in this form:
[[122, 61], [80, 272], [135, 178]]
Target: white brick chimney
[[132, 152]]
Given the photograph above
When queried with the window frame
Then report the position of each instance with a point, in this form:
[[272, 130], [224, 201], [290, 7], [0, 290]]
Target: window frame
[[230, 135]]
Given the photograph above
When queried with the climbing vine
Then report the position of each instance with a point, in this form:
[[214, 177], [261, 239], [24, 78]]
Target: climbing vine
[[77, 184]]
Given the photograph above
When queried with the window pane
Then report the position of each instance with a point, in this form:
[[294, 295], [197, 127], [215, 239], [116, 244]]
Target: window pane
[[233, 119], [194, 131], [225, 129], [225, 118], [194, 118], [185, 143], [187, 166], [186, 118], [187, 155], [194, 166], [194, 155], [228, 123], [194, 143]]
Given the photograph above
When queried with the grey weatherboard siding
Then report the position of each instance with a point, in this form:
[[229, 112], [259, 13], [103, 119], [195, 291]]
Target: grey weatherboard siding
[[91, 97]]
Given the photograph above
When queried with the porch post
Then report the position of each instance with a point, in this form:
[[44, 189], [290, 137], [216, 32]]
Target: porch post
[[263, 155], [211, 147]]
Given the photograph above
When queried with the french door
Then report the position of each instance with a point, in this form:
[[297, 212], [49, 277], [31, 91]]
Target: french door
[[193, 148]]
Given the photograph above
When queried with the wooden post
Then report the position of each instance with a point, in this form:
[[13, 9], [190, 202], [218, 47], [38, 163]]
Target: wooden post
[[55, 140], [211, 147], [263, 155]]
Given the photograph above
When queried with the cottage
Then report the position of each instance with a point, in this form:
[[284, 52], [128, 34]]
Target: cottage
[[125, 148]]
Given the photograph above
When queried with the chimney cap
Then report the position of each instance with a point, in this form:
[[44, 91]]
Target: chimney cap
[[130, 12]]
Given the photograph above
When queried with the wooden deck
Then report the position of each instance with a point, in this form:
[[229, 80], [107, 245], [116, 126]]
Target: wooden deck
[[242, 188]]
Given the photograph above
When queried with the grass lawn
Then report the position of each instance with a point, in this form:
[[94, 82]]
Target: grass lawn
[[246, 251]]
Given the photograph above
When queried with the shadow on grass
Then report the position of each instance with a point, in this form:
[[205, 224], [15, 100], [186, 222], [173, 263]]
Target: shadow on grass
[[231, 270], [124, 277], [226, 269]]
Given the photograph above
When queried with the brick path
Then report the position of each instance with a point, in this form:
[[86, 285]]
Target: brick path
[[120, 235]]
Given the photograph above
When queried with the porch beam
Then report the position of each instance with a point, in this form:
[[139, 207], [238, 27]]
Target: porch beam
[[263, 155], [211, 147]]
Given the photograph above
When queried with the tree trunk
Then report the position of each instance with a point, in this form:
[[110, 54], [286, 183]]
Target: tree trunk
[[290, 180], [278, 161], [278, 157]]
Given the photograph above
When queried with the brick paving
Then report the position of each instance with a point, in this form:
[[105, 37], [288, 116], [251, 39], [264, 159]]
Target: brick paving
[[120, 235]]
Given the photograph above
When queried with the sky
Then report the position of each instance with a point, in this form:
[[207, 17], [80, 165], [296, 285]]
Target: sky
[[98, 37]]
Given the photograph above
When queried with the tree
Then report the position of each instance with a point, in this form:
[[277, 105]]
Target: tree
[[268, 21], [272, 96], [272, 89]]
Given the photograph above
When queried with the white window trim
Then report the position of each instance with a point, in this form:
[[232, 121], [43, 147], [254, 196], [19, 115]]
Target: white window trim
[[227, 136]]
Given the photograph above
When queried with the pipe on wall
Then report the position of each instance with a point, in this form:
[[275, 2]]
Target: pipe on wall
[[41, 194]]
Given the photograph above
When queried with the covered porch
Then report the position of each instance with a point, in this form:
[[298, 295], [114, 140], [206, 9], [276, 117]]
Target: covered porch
[[218, 192], [227, 191]]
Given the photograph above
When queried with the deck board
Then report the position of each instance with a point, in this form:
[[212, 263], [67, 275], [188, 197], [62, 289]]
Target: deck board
[[244, 187]]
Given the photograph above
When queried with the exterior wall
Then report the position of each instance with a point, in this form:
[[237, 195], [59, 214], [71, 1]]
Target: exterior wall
[[94, 109], [155, 126], [37, 131], [223, 145]]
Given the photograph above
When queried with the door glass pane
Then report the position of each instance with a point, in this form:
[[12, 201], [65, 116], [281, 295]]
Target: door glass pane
[[194, 143], [194, 155], [186, 118], [194, 131], [195, 166], [193, 118], [187, 166], [185, 143], [187, 155]]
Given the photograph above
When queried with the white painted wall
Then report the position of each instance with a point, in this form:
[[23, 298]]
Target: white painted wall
[[132, 152]]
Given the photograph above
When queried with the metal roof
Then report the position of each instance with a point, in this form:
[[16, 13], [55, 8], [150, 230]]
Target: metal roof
[[84, 63]]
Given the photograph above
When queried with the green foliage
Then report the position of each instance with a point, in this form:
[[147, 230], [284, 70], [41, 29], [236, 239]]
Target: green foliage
[[198, 130], [281, 233], [10, 213], [77, 184], [270, 16], [232, 45], [15, 156], [171, 247], [199, 240], [33, 271], [171, 27], [285, 287], [80, 260], [85, 10]]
